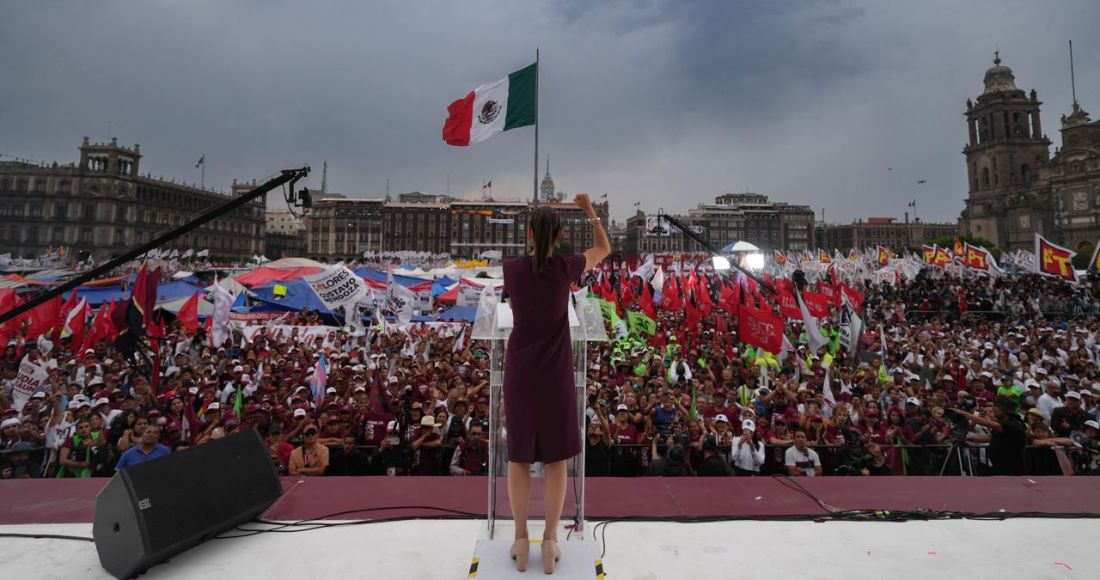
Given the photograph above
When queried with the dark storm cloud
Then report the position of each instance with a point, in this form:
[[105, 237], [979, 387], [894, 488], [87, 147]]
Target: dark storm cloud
[[664, 102]]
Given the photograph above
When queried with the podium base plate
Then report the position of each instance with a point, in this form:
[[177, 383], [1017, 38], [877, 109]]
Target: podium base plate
[[492, 561]]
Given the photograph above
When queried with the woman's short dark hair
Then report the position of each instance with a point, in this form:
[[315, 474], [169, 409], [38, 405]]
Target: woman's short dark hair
[[545, 226]]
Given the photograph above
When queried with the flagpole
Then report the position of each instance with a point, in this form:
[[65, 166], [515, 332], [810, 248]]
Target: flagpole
[[535, 189]]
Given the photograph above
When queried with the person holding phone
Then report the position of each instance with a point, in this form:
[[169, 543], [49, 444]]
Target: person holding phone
[[540, 400]]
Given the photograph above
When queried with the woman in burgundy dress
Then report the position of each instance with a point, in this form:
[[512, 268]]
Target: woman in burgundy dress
[[540, 399]]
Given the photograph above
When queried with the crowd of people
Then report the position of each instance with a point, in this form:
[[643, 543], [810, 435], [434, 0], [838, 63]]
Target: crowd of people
[[953, 375]]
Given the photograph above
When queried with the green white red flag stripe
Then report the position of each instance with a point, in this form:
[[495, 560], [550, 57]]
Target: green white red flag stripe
[[492, 108]]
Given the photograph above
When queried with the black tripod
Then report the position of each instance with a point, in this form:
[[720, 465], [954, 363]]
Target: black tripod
[[961, 452]]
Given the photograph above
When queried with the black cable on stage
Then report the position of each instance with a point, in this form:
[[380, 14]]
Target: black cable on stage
[[314, 523], [47, 537]]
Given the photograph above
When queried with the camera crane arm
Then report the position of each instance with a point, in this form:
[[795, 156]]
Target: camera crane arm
[[286, 176], [687, 231]]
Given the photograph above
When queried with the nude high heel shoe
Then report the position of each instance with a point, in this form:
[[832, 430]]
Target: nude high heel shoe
[[550, 555], [520, 550]]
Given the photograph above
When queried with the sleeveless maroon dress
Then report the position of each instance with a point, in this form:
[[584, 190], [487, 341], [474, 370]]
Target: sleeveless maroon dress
[[540, 397]]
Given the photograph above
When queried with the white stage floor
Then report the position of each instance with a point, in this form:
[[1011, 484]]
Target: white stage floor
[[427, 549]]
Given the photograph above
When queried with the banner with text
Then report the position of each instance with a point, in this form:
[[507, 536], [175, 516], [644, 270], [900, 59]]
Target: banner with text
[[337, 286]]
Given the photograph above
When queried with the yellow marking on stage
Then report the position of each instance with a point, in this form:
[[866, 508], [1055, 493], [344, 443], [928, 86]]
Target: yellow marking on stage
[[473, 568]]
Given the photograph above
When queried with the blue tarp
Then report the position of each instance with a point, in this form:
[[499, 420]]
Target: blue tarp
[[299, 296], [175, 290], [97, 295], [380, 276], [439, 288], [459, 314]]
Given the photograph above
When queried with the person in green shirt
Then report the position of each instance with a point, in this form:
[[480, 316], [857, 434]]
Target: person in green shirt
[[1009, 389]]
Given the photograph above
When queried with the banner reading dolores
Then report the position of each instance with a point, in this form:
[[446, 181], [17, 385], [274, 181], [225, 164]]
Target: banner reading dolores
[[337, 286]]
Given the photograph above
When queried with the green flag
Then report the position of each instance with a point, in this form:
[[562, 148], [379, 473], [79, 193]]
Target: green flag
[[239, 402], [639, 323], [694, 406], [608, 310]]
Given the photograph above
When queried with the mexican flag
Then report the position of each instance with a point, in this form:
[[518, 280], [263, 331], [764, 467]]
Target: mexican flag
[[489, 109]]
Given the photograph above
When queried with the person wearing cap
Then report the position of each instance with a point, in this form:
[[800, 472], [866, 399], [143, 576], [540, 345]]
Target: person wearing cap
[[148, 449], [311, 458], [747, 451], [426, 446], [1008, 436], [9, 431], [623, 433], [1069, 418], [18, 463], [1010, 389]]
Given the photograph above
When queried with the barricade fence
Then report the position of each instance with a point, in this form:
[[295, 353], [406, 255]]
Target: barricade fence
[[634, 460]]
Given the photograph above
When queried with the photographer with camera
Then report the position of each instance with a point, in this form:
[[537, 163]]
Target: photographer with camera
[[1008, 436], [472, 455]]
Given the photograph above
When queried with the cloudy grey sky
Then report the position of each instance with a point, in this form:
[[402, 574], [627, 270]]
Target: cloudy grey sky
[[667, 103]]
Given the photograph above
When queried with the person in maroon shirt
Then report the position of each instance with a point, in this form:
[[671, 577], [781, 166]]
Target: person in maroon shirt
[[375, 420], [871, 427], [426, 446]]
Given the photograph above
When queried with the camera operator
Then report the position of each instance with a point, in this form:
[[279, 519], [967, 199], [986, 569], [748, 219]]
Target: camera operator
[[1008, 437], [391, 457], [875, 462], [472, 455]]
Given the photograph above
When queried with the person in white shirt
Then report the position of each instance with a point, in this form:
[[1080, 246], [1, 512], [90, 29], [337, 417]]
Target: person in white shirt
[[801, 460], [747, 453], [1049, 401]]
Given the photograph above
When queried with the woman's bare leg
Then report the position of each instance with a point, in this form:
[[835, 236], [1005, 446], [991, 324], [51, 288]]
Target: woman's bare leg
[[554, 480], [519, 494]]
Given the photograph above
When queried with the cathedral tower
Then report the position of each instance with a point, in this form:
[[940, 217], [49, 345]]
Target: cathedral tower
[[1005, 150]]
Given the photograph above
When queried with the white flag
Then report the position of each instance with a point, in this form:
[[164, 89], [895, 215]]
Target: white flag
[[188, 254], [461, 338], [219, 330], [813, 333], [645, 270], [203, 253], [658, 281], [399, 299]]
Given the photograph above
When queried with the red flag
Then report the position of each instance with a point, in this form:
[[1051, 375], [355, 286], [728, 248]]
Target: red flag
[[8, 301], [883, 256], [75, 323], [70, 303], [929, 253], [628, 295], [704, 293], [188, 315], [853, 296], [760, 328], [647, 302], [692, 315], [788, 305], [817, 304], [941, 258], [44, 318], [829, 292], [1054, 260], [976, 257]]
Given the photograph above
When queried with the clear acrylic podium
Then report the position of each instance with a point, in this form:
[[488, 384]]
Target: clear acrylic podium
[[492, 324]]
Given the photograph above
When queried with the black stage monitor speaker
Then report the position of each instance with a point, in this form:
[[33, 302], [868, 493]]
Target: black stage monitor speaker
[[154, 510]]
